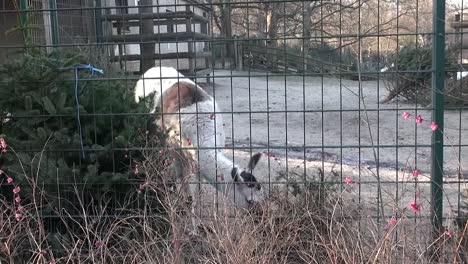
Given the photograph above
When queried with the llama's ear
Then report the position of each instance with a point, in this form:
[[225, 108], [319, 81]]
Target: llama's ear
[[235, 175], [253, 161]]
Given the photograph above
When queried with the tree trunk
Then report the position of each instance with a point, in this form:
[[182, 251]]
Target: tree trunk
[[146, 27], [272, 17], [227, 27], [306, 33]]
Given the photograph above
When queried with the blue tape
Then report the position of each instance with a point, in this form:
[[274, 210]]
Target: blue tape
[[89, 67], [76, 68]]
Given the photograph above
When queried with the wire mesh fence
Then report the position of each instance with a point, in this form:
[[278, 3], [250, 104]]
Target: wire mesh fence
[[366, 97]]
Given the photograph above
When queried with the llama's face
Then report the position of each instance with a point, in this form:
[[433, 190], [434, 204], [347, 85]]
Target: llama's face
[[247, 185]]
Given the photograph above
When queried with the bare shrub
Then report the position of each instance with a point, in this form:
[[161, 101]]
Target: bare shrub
[[321, 225]]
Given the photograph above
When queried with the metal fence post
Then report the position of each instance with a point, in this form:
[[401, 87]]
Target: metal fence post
[[438, 78]]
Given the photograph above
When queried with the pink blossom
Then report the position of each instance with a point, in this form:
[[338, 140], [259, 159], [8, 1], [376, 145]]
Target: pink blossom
[[16, 190], [20, 208], [3, 145], [18, 199], [419, 119], [416, 173], [18, 216], [406, 115], [434, 126], [448, 233], [392, 222], [142, 186], [414, 207], [9, 179], [348, 180], [1, 172], [98, 244], [135, 170], [212, 116]]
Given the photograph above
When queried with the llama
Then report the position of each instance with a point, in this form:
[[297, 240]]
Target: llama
[[191, 114]]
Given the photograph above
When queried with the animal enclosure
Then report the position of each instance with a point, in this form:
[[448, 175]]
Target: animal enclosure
[[366, 97]]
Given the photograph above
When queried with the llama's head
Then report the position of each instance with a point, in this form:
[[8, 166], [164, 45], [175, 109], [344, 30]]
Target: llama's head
[[247, 185]]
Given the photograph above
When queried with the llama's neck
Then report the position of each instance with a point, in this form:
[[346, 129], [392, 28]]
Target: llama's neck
[[205, 132], [215, 166]]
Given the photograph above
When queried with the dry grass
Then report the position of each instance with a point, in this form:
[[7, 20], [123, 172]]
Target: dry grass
[[151, 226]]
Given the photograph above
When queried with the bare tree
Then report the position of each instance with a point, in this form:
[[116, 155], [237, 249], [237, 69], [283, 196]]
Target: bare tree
[[146, 28], [367, 25], [222, 19]]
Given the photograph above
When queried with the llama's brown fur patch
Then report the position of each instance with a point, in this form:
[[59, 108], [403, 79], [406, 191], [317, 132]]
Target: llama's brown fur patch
[[180, 95]]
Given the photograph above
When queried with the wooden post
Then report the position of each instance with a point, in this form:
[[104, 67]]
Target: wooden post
[[204, 30], [223, 54], [240, 56], [146, 27], [235, 60], [190, 45]]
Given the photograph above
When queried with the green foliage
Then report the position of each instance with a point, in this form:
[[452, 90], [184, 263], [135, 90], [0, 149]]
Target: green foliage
[[413, 78], [39, 121], [415, 59]]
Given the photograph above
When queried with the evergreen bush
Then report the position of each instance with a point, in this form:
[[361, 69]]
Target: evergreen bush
[[410, 76], [39, 120]]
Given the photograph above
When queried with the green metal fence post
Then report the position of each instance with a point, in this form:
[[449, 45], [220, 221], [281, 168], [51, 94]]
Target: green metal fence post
[[438, 78], [54, 22]]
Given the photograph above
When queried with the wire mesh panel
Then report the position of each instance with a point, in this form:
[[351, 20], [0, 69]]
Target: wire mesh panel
[[136, 111], [75, 25]]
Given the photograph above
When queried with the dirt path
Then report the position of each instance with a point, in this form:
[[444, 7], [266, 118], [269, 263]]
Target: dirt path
[[327, 117]]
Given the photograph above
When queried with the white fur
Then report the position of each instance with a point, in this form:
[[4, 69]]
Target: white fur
[[157, 80], [200, 128]]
